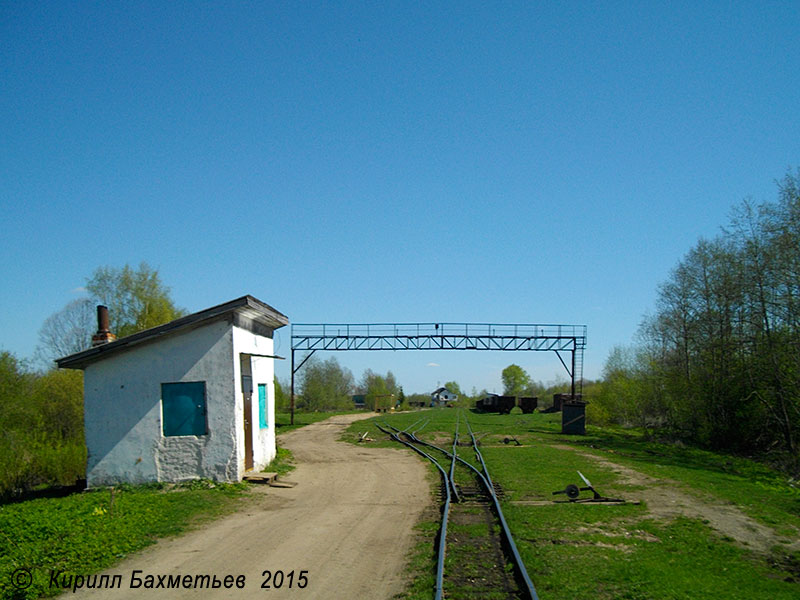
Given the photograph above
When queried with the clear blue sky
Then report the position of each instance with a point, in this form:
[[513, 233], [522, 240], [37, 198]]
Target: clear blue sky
[[377, 162]]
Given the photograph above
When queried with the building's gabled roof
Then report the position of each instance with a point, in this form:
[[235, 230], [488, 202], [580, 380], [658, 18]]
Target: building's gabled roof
[[247, 306], [442, 391]]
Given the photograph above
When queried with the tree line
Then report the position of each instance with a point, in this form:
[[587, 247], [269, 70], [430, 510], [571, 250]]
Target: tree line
[[324, 385], [718, 362], [41, 407]]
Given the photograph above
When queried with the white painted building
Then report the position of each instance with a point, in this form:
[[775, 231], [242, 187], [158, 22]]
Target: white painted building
[[193, 398], [443, 396]]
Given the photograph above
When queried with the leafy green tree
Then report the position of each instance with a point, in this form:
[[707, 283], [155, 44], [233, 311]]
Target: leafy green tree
[[325, 385], [453, 387], [721, 366], [378, 394], [41, 427], [15, 385], [626, 395], [515, 380], [536, 388], [282, 400], [57, 397], [401, 399], [137, 299], [379, 391], [391, 385]]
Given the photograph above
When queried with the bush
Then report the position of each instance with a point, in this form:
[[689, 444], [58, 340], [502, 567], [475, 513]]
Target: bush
[[41, 428]]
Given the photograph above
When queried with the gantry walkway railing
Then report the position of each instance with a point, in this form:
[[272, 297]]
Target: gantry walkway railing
[[559, 339]]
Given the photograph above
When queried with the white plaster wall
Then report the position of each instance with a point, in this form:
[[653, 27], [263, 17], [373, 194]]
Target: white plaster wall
[[122, 401], [264, 449]]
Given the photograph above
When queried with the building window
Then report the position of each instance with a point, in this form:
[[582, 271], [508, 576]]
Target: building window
[[262, 406], [183, 408]]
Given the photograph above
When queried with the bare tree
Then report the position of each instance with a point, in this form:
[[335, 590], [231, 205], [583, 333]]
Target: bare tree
[[67, 331]]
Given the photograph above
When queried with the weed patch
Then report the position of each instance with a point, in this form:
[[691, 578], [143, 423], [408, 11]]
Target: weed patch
[[87, 532], [283, 462]]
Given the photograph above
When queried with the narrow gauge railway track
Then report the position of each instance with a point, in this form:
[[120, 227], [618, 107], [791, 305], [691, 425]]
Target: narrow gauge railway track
[[450, 494]]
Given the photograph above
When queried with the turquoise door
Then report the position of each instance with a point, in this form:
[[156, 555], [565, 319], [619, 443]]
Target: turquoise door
[[262, 406]]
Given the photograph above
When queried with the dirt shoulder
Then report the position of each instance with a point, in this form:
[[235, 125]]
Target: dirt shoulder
[[348, 523], [665, 501]]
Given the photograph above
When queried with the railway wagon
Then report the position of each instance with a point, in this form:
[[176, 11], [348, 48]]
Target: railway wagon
[[505, 404], [486, 404]]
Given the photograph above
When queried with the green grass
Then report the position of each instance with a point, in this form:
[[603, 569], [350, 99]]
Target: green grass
[[599, 551], [422, 559], [86, 532], [682, 559], [282, 464], [283, 420]]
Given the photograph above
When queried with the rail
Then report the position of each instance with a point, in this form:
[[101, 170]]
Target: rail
[[449, 483], [445, 512]]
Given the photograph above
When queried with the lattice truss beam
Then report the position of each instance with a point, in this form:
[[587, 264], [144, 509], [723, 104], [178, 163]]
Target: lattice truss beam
[[431, 342], [440, 336], [443, 336]]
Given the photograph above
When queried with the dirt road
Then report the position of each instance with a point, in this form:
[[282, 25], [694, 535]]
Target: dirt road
[[348, 524]]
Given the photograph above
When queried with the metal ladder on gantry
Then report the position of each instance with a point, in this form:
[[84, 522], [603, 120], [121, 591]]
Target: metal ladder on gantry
[[566, 341]]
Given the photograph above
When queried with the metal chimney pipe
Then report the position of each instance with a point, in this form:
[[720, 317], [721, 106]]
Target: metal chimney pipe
[[103, 335], [102, 319]]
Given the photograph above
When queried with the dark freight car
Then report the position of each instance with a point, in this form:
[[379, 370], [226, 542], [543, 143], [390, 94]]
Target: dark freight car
[[505, 404], [486, 404], [528, 404]]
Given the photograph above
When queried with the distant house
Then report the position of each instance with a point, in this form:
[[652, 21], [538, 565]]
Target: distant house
[[442, 396], [193, 398]]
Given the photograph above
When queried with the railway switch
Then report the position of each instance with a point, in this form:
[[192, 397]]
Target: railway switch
[[573, 492]]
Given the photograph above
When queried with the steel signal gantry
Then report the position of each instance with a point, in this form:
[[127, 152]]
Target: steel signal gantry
[[443, 336]]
